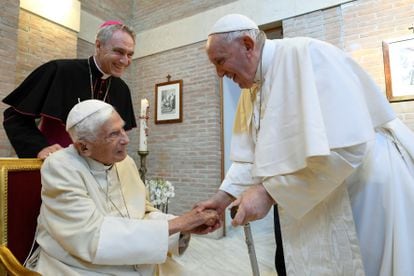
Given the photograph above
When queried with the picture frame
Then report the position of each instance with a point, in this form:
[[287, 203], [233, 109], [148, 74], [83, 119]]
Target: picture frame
[[398, 55], [168, 102]]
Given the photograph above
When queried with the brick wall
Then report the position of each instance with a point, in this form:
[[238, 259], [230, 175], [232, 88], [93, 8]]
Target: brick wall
[[39, 41], [30, 41], [9, 14], [110, 9], [325, 25], [188, 153], [359, 28], [367, 24], [154, 13], [34, 41], [85, 49]]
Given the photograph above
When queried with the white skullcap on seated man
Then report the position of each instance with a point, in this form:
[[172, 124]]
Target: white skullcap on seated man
[[87, 115], [84, 109], [95, 218]]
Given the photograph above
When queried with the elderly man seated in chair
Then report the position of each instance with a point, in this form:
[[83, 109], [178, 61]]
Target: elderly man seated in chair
[[94, 217]]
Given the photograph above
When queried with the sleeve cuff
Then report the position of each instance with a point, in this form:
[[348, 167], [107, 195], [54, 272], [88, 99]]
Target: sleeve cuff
[[129, 241]]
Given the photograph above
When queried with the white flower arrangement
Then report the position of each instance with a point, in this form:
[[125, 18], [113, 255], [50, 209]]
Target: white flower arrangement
[[160, 191]]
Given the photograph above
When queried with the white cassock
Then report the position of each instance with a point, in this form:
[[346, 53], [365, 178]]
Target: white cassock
[[95, 220], [335, 158]]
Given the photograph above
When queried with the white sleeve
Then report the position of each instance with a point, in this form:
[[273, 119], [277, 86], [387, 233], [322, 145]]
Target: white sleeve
[[132, 241], [238, 179], [173, 240], [299, 192]]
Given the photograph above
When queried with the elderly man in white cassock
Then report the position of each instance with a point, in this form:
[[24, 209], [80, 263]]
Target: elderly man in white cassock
[[94, 218], [315, 135]]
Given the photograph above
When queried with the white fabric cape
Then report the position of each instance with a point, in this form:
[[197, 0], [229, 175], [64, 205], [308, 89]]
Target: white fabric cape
[[320, 104]]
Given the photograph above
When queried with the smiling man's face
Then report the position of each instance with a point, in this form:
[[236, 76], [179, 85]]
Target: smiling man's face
[[115, 55], [234, 59]]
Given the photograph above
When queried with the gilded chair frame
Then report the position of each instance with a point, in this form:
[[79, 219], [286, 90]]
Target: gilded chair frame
[[9, 165], [6, 165]]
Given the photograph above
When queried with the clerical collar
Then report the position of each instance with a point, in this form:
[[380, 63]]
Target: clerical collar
[[104, 76], [97, 166]]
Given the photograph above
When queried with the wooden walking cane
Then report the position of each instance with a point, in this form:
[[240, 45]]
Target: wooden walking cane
[[249, 243]]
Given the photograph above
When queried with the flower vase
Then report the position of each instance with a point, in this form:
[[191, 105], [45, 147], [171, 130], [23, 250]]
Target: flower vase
[[163, 207]]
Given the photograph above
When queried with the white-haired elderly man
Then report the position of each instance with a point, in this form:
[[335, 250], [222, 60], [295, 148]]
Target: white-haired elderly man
[[315, 134], [94, 218]]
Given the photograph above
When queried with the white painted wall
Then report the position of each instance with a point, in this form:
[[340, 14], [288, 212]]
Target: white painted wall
[[63, 12]]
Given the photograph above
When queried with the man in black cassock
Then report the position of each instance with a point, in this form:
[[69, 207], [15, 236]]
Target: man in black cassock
[[52, 89]]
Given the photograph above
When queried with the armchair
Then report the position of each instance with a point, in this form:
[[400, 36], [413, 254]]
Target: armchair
[[20, 188], [12, 265]]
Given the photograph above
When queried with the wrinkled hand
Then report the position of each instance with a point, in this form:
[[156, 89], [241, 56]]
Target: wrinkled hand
[[218, 202], [45, 152], [253, 204], [190, 221], [210, 226]]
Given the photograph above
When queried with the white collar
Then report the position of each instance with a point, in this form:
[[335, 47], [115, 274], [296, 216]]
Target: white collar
[[97, 166], [104, 76]]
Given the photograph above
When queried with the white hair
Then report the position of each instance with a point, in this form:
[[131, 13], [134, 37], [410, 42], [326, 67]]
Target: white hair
[[230, 36], [104, 34], [257, 35]]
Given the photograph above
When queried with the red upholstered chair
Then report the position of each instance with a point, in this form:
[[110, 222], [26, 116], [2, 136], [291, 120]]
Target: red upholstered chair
[[20, 201]]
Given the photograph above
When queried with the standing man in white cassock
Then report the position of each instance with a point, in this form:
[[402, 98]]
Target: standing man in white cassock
[[314, 134], [94, 217]]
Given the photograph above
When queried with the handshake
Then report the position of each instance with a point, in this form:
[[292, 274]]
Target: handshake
[[195, 221]]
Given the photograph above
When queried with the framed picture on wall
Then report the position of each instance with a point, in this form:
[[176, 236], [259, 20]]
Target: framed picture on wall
[[168, 102], [399, 68]]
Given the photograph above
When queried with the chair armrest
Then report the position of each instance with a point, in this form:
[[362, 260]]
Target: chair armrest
[[12, 265]]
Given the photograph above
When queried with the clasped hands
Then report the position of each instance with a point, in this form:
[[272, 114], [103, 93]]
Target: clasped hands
[[253, 204], [195, 221]]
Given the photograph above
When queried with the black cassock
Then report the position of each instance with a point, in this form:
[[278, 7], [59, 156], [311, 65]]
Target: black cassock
[[49, 93]]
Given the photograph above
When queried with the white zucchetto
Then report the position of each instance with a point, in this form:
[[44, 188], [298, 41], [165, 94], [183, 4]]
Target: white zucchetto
[[83, 110], [231, 23]]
